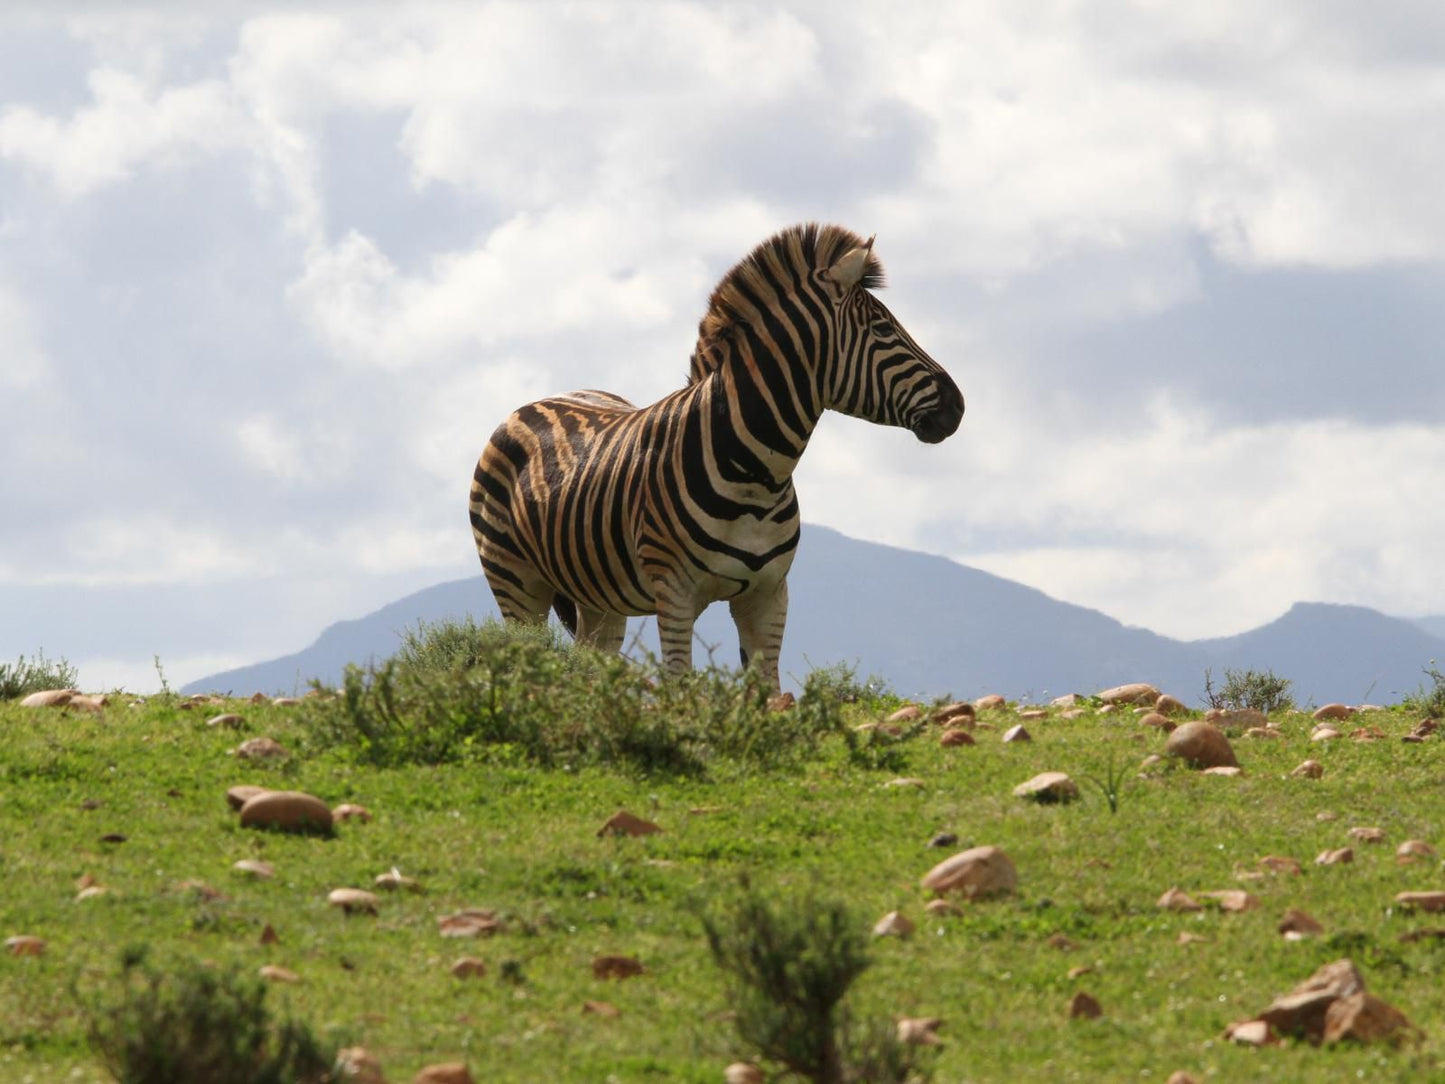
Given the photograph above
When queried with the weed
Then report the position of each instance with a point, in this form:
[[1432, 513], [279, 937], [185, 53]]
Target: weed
[[840, 683], [1112, 785], [38, 674], [1261, 690], [1429, 701], [196, 1023]]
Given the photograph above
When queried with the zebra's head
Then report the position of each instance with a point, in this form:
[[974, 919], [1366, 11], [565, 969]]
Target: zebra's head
[[878, 372]]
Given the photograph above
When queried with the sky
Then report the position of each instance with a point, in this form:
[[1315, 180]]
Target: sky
[[270, 276]]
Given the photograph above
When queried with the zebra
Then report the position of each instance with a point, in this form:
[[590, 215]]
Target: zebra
[[592, 507]]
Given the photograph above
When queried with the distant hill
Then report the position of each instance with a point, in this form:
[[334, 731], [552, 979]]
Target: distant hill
[[1435, 626], [930, 626]]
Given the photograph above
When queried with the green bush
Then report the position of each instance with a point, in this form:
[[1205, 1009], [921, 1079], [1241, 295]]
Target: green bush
[[1429, 701], [464, 692], [198, 1024], [790, 965], [25, 678], [1261, 690]]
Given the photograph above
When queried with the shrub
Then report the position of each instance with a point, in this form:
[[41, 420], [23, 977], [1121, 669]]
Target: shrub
[[457, 693], [25, 678], [196, 1024], [790, 965], [1429, 701], [1261, 690]]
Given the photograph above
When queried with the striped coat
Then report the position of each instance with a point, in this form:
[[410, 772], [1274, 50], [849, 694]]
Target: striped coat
[[588, 505]]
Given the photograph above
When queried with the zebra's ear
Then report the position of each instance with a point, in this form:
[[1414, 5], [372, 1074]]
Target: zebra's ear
[[847, 270]]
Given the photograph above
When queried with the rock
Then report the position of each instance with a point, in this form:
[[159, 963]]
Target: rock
[[90, 892], [600, 1008], [1367, 733], [905, 782], [1155, 719], [1079, 971], [274, 973], [286, 702], [1105, 709], [1033, 714], [288, 810], [1048, 787], [942, 908], [908, 713], [1364, 1018], [1333, 711], [49, 698], [1061, 942], [977, 873], [1309, 769], [1068, 700], [1201, 745], [955, 736], [1179, 1076], [1335, 857], [1300, 923], [1187, 937], [1414, 848], [469, 967], [1176, 900], [1233, 899], [470, 922], [269, 936], [1136, 693], [1149, 762], [1240, 719], [1223, 770], [1324, 733], [353, 901], [1426, 901], [1249, 1033], [1279, 863], [1073, 713], [1368, 835], [238, 796], [227, 719], [1017, 733], [260, 749], [25, 945], [623, 823], [392, 880], [960, 713], [1168, 705], [893, 924], [254, 867], [742, 1072], [1264, 733], [1084, 1007], [992, 702], [357, 1065], [943, 839], [616, 967], [919, 1031], [1326, 815], [451, 1072], [1302, 1010], [92, 704], [350, 811]]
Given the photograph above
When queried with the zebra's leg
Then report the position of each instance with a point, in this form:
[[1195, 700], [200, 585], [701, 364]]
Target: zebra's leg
[[760, 616], [521, 593], [675, 619], [601, 630]]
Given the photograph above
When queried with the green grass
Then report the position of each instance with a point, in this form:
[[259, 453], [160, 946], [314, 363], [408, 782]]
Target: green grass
[[509, 835]]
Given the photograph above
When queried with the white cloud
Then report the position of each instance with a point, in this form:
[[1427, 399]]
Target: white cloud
[[23, 363]]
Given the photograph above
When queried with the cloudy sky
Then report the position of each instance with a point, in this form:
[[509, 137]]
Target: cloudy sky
[[268, 279]]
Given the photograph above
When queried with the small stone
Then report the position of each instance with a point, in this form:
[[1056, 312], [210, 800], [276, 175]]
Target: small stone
[[275, 973], [468, 967], [1249, 1033], [92, 704], [227, 719], [893, 924], [1414, 848], [905, 782], [1073, 713], [1061, 942], [1084, 1007], [1158, 720], [260, 749], [260, 698], [955, 736], [1326, 815], [1150, 761], [451, 1072], [1106, 709], [1187, 937], [992, 702], [1068, 700], [977, 873], [1168, 705], [113, 837], [919, 1031], [600, 1008], [286, 702], [1048, 787], [1299, 922], [742, 1072], [1425, 901], [471, 922], [238, 796], [1033, 714], [1335, 857], [623, 823], [1201, 745], [1309, 769], [392, 880], [254, 867], [1234, 900], [350, 811], [1333, 711], [357, 1065], [352, 901], [1176, 900], [288, 810], [1179, 1076], [942, 908], [269, 936], [1364, 1018], [960, 713], [25, 945], [49, 698], [943, 839], [1017, 733], [1279, 863], [616, 967], [1367, 734], [1368, 835], [1226, 770], [1262, 733], [1324, 733], [90, 892], [1079, 971], [909, 713], [1136, 693]]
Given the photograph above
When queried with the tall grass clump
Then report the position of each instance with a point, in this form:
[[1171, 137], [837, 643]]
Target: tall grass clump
[[459, 692], [199, 1024], [33, 676], [1261, 690], [1429, 701], [789, 965]]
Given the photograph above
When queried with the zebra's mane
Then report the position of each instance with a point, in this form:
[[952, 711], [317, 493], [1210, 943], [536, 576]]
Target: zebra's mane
[[775, 268]]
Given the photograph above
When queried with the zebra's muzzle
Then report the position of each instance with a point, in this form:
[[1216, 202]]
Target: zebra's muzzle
[[943, 419]]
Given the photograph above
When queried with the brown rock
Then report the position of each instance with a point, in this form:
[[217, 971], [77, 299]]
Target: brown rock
[[1048, 787], [1017, 733], [616, 967], [600, 1008], [1073, 713], [260, 749], [1168, 705], [955, 736], [1426, 901], [623, 823], [1324, 733], [1136, 693], [1187, 937], [742, 1072], [238, 796], [1309, 769], [1230, 770], [1233, 899], [451, 1072], [1179, 1076], [921, 1031], [908, 713], [1080, 970], [1156, 719], [1414, 848], [468, 967], [959, 713], [275, 973], [470, 922], [1335, 857], [1262, 733], [227, 719], [25, 945], [1201, 745], [1333, 711], [1084, 1007], [1105, 709], [1150, 761], [1279, 863], [1366, 1019], [392, 880], [353, 901], [1367, 733], [893, 924], [1250, 1033], [90, 892], [977, 873], [1302, 1010], [288, 810], [1300, 923], [1061, 942], [1368, 835], [254, 867], [1033, 714], [992, 702], [356, 1064], [942, 908], [1176, 900], [286, 702], [49, 698], [269, 936], [1068, 700], [350, 811]]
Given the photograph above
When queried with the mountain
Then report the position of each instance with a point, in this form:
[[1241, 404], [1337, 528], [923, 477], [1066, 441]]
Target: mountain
[[930, 626], [1435, 626]]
